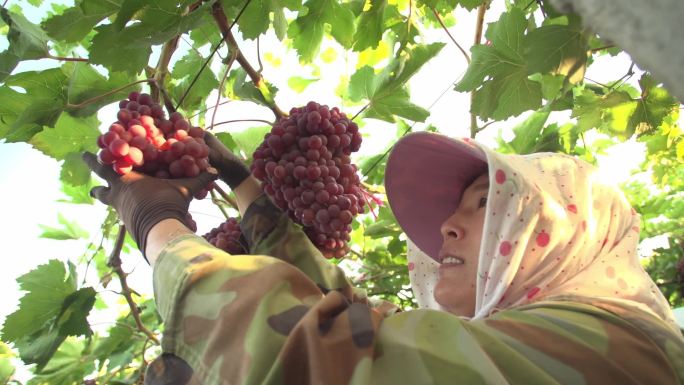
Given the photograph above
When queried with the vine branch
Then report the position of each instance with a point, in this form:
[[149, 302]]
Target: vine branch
[[217, 201], [478, 38], [61, 58], [112, 92], [257, 79], [239, 120], [115, 263], [439, 19], [360, 111], [231, 60], [226, 197], [162, 69], [213, 52]]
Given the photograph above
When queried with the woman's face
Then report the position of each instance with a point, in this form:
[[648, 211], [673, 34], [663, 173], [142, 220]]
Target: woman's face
[[462, 232]]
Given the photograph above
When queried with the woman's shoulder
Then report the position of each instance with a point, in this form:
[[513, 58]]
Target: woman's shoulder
[[611, 325]]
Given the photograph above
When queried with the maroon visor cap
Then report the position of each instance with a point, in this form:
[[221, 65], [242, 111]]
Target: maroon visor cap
[[425, 177]]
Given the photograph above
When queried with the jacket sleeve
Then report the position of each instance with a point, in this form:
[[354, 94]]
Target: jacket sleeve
[[258, 320], [269, 231]]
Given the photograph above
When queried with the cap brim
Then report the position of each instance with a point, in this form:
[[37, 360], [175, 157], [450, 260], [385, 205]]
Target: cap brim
[[425, 177]]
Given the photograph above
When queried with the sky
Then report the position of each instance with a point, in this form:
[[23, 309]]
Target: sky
[[29, 180]]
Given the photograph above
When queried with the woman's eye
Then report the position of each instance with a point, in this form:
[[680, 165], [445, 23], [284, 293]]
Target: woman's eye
[[483, 202]]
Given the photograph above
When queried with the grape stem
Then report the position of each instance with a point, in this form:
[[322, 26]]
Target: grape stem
[[211, 55], [257, 79], [231, 60], [112, 92], [209, 108], [239, 120], [61, 58], [162, 68], [360, 111], [226, 197], [217, 202], [439, 19], [115, 263]]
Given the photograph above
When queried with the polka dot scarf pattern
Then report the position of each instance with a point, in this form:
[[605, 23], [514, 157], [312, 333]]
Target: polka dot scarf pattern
[[552, 229]]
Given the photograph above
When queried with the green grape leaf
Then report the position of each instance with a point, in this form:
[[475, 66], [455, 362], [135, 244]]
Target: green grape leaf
[[238, 88], [72, 320], [127, 11], [227, 140], [47, 286], [69, 230], [118, 339], [67, 365], [74, 24], [85, 83], [255, 19], [401, 70], [363, 84], [298, 84], [40, 347], [6, 366], [507, 91], [386, 92], [308, 29], [74, 171], [51, 310], [69, 135], [78, 194], [372, 26], [558, 49], [248, 140], [382, 228], [119, 50], [206, 32], [44, 101], [26, 41], [655, 104], [11, 108], [128, 48], [185, 70], [610, 113], [446, 6], [397, 103], [280, 24], [527, 133]]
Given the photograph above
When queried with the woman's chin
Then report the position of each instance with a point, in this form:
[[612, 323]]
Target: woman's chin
[[454, 299]]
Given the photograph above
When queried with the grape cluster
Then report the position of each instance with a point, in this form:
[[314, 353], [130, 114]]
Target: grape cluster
[[142, 139], [305, 167], [227, 237]]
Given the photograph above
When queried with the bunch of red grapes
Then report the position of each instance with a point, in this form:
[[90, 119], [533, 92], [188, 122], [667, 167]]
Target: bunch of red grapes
[[305, 167], [142, 139], [227, 237]]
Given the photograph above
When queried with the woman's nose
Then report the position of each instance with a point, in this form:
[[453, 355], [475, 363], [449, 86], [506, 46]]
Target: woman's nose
[[451, 228]]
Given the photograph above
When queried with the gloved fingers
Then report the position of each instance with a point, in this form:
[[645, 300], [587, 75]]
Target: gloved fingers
[[103, 171], [212, 141], [190, 186], [101, 193]]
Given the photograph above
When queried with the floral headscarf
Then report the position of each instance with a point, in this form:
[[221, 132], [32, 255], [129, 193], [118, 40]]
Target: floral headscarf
[[552, 228]]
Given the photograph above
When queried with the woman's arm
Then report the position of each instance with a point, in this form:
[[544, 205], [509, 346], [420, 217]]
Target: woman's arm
[[257, 320], [167, 230]]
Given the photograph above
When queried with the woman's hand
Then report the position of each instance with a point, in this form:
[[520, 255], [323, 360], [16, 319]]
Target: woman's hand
[[142, 201]]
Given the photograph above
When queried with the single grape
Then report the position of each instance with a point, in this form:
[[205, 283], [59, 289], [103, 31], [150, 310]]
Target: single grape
[[119, 148]]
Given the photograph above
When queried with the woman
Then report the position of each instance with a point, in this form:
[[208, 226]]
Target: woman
[[534, 255]]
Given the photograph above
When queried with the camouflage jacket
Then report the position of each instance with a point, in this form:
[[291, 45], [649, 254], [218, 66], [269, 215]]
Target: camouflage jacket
[[287, 316]]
